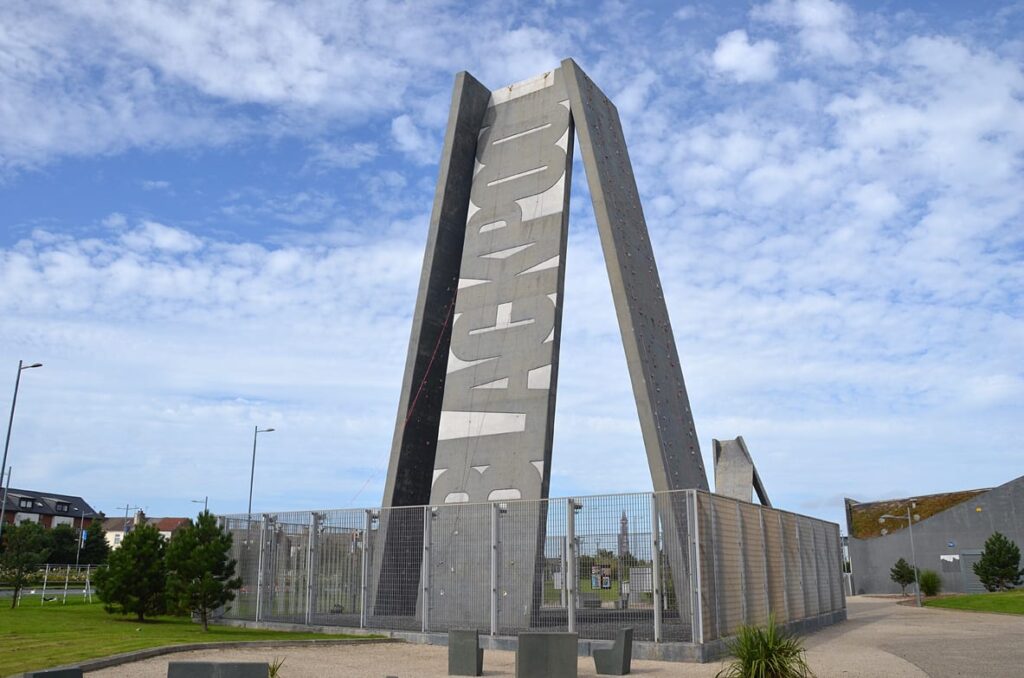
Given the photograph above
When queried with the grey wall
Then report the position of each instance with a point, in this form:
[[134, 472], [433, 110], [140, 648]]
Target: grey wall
[[1002, 510]]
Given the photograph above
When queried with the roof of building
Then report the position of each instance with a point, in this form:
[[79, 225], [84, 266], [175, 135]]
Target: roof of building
[[862, 518], [45, 503], [167, 524]]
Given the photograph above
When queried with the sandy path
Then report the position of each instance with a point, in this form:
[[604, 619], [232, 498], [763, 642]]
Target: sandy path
[[880, 638]]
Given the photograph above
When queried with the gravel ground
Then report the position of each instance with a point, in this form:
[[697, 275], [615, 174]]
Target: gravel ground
[[881, 638]]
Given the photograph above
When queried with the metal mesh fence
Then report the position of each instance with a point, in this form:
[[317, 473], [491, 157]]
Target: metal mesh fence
[[685, 566]]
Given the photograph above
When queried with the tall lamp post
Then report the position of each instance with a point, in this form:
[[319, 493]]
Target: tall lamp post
[[913, 554], [256, 431], [10, 422], [202, 501]]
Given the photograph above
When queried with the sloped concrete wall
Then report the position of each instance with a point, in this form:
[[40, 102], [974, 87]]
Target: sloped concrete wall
[[964, 526]]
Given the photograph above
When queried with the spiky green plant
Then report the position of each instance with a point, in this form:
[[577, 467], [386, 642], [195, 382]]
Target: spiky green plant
[[766, 652], [275, 667]]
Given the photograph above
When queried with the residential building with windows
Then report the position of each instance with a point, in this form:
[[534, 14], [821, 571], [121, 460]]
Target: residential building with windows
[[117, 528], [46, 508]]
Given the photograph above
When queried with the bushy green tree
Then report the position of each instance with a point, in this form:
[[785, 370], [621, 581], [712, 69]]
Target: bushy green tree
[[201, 575], [135, 579], [95, 548], [903, 574], [26, 548], [999, 567], [63, 544]]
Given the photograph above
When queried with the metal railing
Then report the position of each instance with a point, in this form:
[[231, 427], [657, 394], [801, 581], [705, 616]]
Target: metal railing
[[685, 566]]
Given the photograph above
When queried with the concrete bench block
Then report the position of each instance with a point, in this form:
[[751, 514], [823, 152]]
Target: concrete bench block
[[56, 673], [617, 660], [553, 655], [218, 670], [465, 656]]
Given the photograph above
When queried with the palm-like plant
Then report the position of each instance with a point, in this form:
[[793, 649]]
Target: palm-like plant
[[766, 652]]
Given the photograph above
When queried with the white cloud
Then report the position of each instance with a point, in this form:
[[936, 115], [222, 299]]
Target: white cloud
[[743, 60], [154, 236], [327, 156], [411, 140], [685, 13], [102, 77], [823, 26]]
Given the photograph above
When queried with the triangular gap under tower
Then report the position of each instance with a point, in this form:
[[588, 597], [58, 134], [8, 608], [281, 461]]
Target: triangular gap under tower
[[594, 409]]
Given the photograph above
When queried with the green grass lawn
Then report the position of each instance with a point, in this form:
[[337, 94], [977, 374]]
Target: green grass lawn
[[36, 637], [1009, 602]]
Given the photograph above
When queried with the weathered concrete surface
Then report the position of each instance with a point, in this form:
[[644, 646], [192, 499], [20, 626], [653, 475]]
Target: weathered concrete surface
[[735, 473], [964, 526], [494, 439], [881, 638], [419, 406], [414, 443], [497, 419]]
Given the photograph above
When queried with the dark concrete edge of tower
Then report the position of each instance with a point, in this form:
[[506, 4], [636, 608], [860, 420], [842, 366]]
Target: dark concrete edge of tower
[[414, 443]]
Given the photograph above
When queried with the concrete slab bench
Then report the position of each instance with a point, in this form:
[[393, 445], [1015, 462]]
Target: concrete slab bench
[[465, 656], [56, 673], [218, 670], [617, 660], [553, 655]]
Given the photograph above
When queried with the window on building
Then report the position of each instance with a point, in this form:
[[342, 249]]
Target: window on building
[[63, 507], [25, 503], [117, 538]]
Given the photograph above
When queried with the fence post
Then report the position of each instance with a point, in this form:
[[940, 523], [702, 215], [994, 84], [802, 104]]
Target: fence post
[[713, 544], [744, 560], [817, 571], [800, 561], [67, 576], [764, 549], [425, 572], [785, 568], [570, 570], [46, 577], [494, 568], [697, 607], [365, 567], [656, 567], [259, 567], [562, 574], [314, 531]]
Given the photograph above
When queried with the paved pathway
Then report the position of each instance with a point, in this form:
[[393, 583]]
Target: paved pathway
[[880, 639]]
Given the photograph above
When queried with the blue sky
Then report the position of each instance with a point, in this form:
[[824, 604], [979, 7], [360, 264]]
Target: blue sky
[[212, 216]]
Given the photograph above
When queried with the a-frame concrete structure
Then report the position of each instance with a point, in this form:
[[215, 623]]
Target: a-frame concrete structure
[[476, 413]]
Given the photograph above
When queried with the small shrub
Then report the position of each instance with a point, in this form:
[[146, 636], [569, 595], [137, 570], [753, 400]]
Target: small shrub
[[931, 582], [766, 652], [275, 667]]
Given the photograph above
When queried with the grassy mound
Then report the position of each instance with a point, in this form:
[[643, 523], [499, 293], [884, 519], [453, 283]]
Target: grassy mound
[[35, 637]]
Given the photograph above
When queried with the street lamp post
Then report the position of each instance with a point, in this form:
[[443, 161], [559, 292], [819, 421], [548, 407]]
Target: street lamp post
[[202, 501], [252, 471], [10, 422], [913, 554]]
